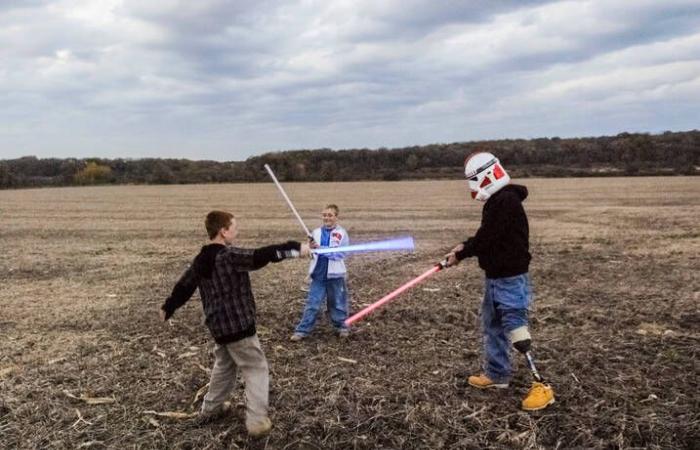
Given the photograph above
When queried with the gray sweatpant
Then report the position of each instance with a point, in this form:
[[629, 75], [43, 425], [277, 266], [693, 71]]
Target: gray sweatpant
[[246, 355]]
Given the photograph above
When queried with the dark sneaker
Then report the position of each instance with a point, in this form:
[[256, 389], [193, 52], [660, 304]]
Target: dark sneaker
[[214, 415]]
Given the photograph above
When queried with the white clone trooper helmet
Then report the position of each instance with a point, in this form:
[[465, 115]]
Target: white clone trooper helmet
[[485, 174]]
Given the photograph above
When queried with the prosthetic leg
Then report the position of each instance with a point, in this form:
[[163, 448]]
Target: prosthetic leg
[[521, 340], [541, 394]]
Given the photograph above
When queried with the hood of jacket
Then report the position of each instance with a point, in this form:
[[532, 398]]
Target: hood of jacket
[[204, 261], [517, 189]]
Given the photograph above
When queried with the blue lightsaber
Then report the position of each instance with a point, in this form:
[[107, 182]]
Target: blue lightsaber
[[404, 243]]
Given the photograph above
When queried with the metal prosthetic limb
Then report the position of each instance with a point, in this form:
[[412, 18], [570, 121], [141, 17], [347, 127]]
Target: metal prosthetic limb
[[533, 369], [520, 337]]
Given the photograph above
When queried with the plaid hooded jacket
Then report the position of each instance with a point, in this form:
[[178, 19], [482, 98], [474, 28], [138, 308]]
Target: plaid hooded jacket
[[221, 274]]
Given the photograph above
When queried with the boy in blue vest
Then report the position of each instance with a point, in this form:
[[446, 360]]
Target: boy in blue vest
[[327, 274]]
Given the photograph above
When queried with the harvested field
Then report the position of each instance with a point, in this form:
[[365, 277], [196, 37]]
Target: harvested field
[[84, 362]]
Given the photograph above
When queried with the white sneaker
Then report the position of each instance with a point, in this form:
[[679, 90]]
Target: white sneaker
[[296, 337], [260, 428]]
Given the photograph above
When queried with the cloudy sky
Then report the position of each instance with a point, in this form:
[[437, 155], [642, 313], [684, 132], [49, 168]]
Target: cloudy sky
[[224, 80]]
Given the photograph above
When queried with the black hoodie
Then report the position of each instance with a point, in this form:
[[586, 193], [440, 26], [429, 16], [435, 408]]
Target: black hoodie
[[502, 241]]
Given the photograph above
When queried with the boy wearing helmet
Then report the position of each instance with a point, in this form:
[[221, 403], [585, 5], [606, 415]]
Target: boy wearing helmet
[[501, 245]]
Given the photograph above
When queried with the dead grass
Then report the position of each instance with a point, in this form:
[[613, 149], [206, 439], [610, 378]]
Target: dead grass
[[84, 363]]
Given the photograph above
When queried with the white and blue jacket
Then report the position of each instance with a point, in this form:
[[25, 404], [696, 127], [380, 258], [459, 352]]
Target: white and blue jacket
[[338, 238]]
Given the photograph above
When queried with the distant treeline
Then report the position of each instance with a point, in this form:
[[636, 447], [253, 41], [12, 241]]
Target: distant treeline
[[670, 153]]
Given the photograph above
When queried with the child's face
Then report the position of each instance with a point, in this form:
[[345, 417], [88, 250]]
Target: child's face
[[230, 233], [329, 218]]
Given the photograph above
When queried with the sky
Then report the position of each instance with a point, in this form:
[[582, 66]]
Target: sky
[[226, 80]]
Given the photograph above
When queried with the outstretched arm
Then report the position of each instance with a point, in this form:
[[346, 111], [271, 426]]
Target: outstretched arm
[[246, 260], [182, 292]]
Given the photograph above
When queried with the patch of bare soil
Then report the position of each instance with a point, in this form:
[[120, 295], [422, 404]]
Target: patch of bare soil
[[84, 362]]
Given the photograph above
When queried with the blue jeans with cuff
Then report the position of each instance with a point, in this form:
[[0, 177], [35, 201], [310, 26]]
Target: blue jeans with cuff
[[505, 308], [335, 291]]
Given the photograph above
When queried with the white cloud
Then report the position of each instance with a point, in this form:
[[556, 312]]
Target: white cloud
[[215, 79]]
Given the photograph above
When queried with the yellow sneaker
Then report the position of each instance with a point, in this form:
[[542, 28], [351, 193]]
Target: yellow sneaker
[[539, 397], [484, 382], [259, 429]]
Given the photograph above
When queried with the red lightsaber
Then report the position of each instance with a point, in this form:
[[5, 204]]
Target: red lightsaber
[[392, 295]]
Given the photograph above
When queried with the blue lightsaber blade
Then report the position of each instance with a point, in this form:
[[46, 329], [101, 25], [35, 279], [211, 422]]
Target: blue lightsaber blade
[[404, 243]]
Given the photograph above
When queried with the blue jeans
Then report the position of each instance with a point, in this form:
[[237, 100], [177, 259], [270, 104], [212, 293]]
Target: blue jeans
[[504, 309], [336, 291]]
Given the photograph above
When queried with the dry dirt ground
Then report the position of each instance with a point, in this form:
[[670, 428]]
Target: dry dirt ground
[[84, 363]]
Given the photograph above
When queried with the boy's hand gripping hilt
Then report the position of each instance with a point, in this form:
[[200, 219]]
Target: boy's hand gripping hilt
[[443, 264]]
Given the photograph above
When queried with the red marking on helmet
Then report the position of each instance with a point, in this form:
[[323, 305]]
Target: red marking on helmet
[[486, 182], [498, 172], [473, 194]]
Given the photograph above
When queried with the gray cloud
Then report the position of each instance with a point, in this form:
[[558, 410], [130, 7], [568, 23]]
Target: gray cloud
[[217, 79]]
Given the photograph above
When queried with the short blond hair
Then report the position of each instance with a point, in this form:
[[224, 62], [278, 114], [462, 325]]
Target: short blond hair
[[334, 207]]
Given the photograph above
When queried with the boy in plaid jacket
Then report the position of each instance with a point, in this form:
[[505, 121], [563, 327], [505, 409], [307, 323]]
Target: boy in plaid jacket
[[220, 271]]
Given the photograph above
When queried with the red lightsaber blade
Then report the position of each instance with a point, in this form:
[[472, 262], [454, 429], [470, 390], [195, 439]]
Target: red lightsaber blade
[[392, 295]]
